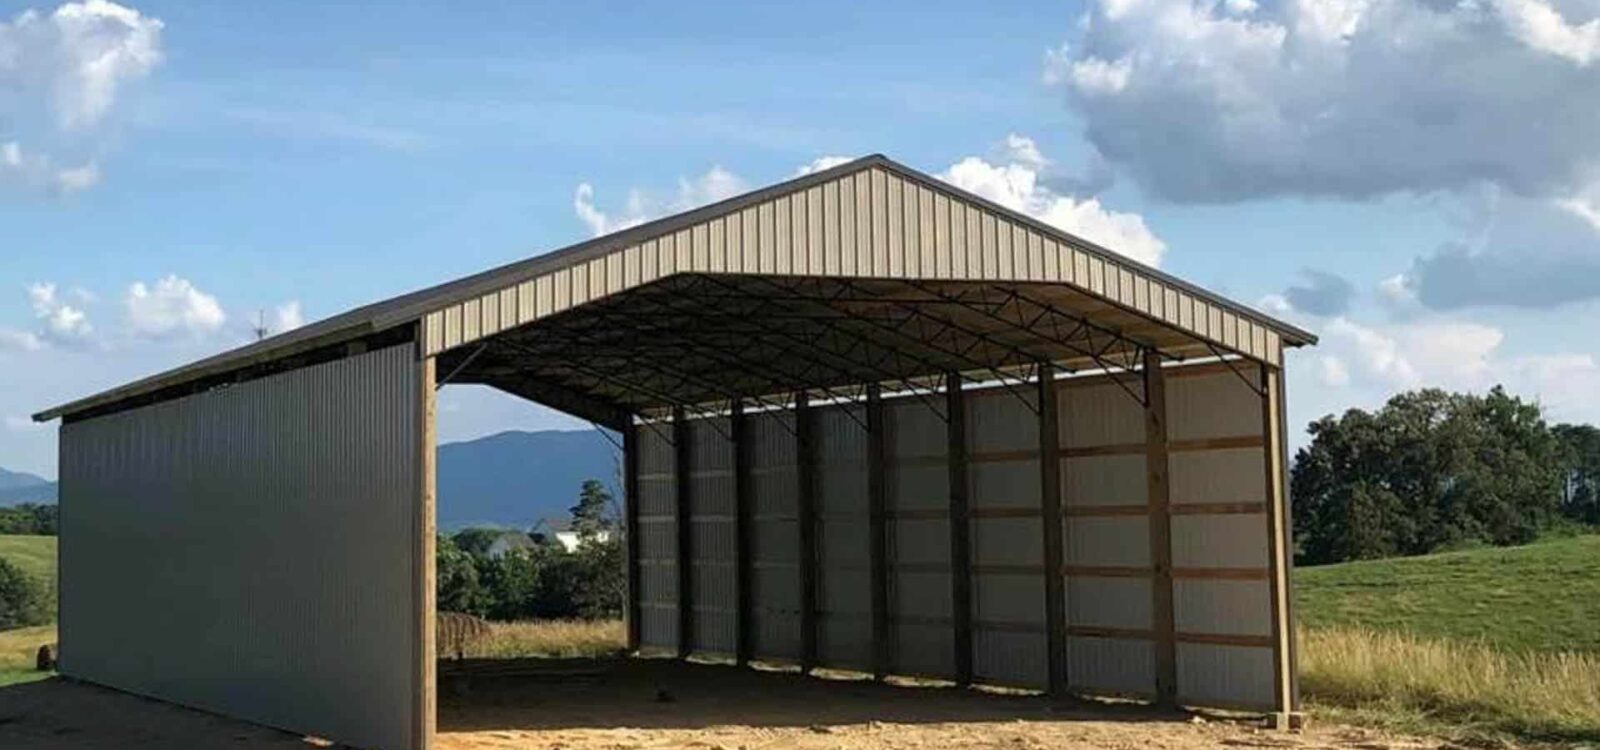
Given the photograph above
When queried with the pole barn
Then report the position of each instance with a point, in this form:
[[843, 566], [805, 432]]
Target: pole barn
[[871, 422]]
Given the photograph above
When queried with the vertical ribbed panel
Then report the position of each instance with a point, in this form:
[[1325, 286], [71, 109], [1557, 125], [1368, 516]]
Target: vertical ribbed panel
[[775, 556], [918, 504], [1008, 596], [877, 223], [712, 510], [251, 550], [844, 597], [658, 540]]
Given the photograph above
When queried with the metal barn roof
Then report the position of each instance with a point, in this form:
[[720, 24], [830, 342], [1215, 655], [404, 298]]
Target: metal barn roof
[[866, 272]]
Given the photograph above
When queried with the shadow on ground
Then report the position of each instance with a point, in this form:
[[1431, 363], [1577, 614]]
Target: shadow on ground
[[665, 694], [57, 714]]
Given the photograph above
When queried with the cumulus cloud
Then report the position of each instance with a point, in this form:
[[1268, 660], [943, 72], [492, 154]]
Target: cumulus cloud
[[61, 74], [822, 163], [1018, 185], [287, 317], [1213, 102], [62, 321], [15, 340], [1320, 293], [715, 185], [171, 307]]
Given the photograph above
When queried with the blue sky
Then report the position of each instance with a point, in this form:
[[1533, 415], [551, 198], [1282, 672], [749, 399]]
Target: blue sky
[[172, 172]]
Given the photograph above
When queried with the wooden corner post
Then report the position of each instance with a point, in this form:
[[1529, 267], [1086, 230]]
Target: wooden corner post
[[1160, 519], [1285, 678], [425, 549]]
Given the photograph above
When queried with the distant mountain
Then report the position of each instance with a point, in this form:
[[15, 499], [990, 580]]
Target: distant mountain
[[21, 487], [513, 479]]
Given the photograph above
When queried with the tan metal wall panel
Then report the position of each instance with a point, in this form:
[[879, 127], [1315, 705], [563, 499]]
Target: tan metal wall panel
[[1218, 405], [1122, 541], [252, 550], [1108, 602], [1099, 415], [1233, 540], [1105, 480], [1218, 476]]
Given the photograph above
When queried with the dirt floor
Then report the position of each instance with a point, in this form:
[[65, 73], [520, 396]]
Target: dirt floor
[[628, 704]]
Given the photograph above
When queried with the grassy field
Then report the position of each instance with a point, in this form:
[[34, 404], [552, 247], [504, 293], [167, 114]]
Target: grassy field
[[1541, 597], [18, 648], [1486, 643], [36, 555], [552, 638]]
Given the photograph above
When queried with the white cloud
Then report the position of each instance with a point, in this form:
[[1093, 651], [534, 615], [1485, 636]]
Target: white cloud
[[173, 306], [61, 74], [822, 163], [287, 317], [1017, 185], [78, 56], [12, 339], [1215, 102], [62, 321], [1540, 26], [715, 185]]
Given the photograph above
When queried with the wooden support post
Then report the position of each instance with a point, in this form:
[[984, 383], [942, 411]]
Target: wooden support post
[[878, 541], [630, 506], [1055, 595], [682, 449], [806, 523], [1160, 520], [426, 549], [744, 632], [1285, 682], [960, 528]]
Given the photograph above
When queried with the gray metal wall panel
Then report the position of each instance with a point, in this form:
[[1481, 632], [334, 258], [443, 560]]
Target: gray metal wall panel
[[1217, 675], [1109, 602], [658, 539], [775, 535], [1106, 480], [1222, 607], [1109, 540], [1099, 414], [1008, 658], [252, 550], [1233, 540], [714, 535], [1008, 599], [1217, 405], [1004, 484], [1113, 666]]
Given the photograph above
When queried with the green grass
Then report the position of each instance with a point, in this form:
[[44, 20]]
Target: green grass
[[36, 555], [18, 649], [1541, 597]]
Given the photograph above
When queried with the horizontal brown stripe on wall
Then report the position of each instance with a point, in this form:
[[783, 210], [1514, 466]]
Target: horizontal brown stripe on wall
[[988, 457], [1106, 571], [1105, 510], [1202, 509], [1224, 574], [1141, 634], [1175, 446]]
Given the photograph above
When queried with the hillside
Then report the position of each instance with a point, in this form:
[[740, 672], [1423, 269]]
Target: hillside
[[516, 478], [36, 555], [20, 487], [1541, 597]]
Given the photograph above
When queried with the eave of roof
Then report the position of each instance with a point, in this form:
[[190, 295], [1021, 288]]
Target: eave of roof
[[408, 308]]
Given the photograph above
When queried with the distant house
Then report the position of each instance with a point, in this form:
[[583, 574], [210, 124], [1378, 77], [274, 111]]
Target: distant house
[[510, 540], [559, 531]]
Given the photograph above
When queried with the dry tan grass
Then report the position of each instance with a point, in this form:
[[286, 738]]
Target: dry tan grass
[[1404, 680], [551, 638]]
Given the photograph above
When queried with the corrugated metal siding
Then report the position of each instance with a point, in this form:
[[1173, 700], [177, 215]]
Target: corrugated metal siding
[[658, 541], [871, 223], [844, 592], [775, 557], [711, 515], [251, 550], [918, 494], [1008, 609], [1221, 407]]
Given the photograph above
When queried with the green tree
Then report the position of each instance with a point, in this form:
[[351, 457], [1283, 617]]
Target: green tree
[[23, 601], [1429, 470], [1579, 446], [476, 541], [459, 589], [595, 514]]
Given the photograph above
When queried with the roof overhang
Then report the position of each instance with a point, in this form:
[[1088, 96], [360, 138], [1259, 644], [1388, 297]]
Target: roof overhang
[[924, 276]]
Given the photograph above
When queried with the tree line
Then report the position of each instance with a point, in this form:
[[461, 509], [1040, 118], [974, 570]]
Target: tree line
[[1433, 470], [29, 518], [545, 580]]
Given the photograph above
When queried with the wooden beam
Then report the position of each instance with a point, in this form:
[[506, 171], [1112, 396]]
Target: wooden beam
[[682, 466], [960, 528], [1055, 595], [1285, 687], [806, 513], [878, 541], [631, 531], [1160, 523], [744, 630], [425, 549]]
